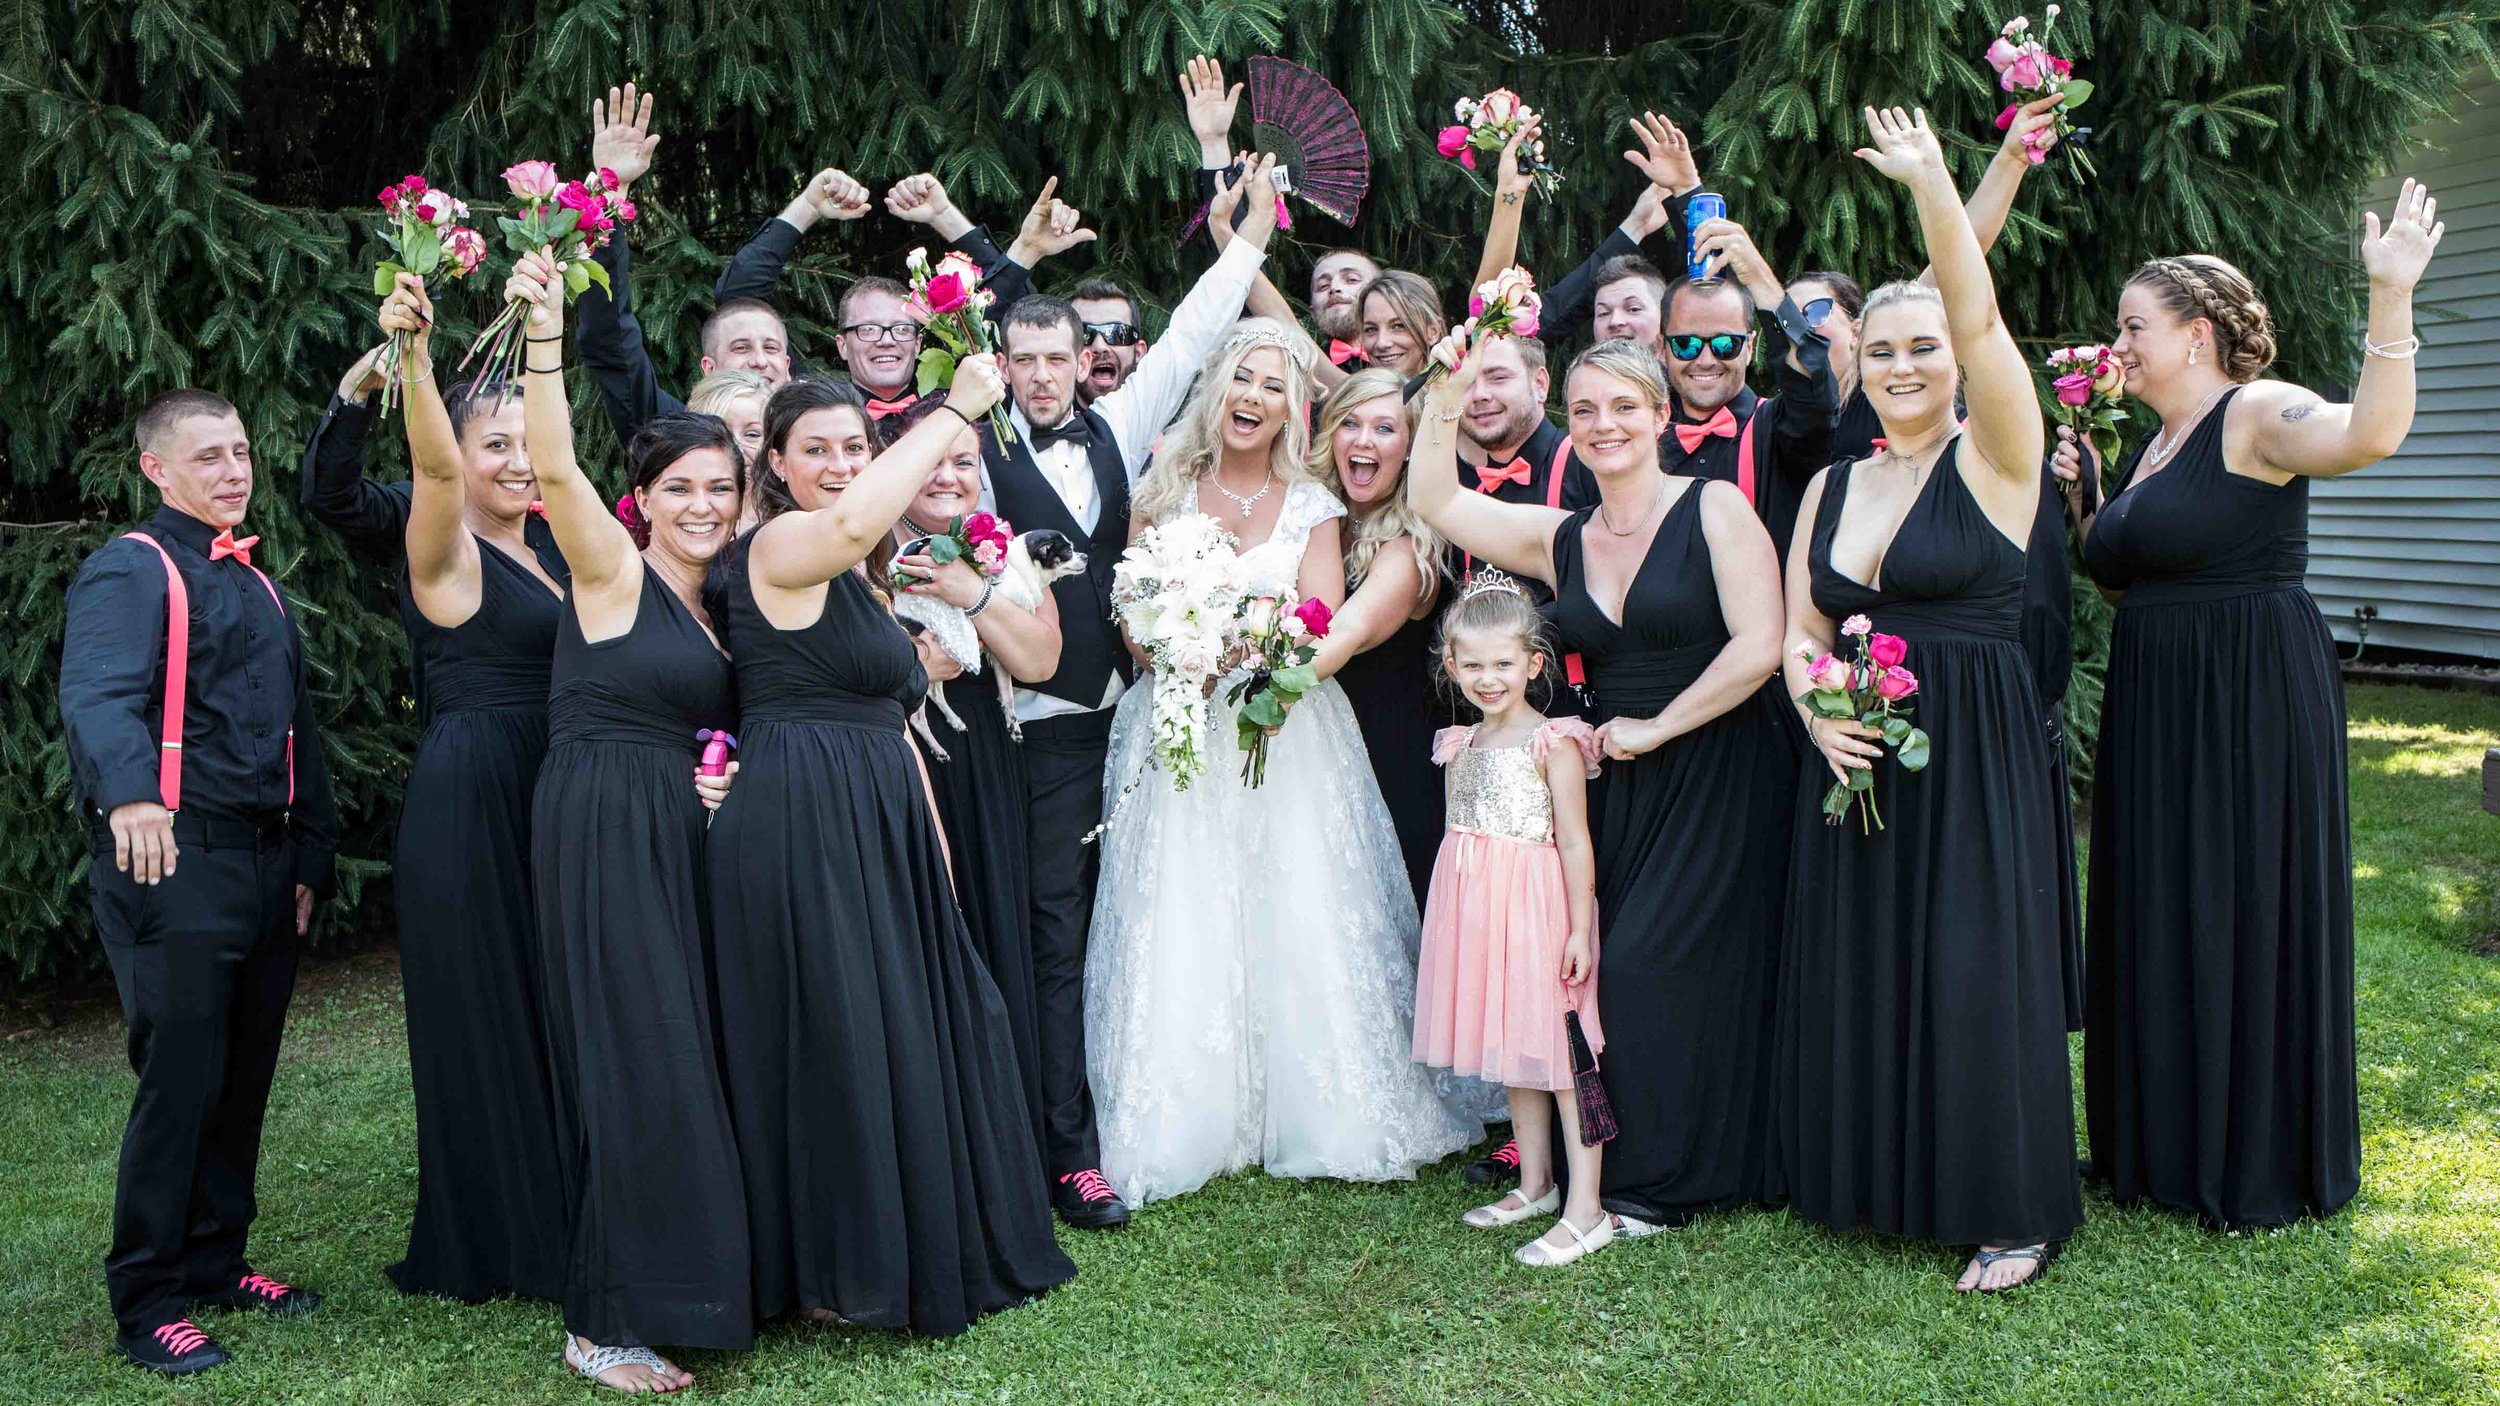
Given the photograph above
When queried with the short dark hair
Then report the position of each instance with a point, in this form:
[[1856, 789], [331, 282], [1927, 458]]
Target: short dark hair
[[1623, 266], [733, 308], [1531, 351], [1103, 288], [1679, 287], [1042, 310], [467, 400], [1845, 290], [795, 400], [873, 283], [159, 416], [662, 441]]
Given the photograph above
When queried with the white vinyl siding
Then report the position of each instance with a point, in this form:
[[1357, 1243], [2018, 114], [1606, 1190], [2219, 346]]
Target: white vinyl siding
[[2418, 536]]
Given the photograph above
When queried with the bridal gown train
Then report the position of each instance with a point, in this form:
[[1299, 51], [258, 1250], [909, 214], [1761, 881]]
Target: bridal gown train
[[1250, 975]]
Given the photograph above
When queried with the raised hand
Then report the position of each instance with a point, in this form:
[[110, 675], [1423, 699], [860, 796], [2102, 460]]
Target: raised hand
[[409, 312], [1905, 148], [365, 377], [1258, 188], [2029, 118], [533, 281], [1456, 355], [919, 199], [1211, 107], [621, 139], [1649, 214], [977, 387], [1731, 254], [2397, 255], [1052, 226], [836, 196], [1510, 184], [1666, 155]]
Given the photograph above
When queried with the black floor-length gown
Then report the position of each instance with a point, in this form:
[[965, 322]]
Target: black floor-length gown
[[1390, 687], [2219, 1072], [2047, 634], [1923, 1079], [657, 1229], [982, 796], [1691, 859], [490, 1206], [890, 1166]]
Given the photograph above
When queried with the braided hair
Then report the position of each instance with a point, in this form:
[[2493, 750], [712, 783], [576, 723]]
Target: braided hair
[[2191, 286]]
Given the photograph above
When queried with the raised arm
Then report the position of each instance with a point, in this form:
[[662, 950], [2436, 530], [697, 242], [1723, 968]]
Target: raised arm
[[1993, 201], [1051, 227], [2298, 433], [799, 551], [336, 491], [1391, 593], [1265, 299], [1154, 392], [1518, 538], [596, 546], [610, 334], [1510, 203], [442, 556], [922, 200], [755, 270], [1211, 107], [2005, 426], [1665, 157]]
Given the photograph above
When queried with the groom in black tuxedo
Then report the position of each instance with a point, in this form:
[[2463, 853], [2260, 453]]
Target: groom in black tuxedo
[[1071, 468]]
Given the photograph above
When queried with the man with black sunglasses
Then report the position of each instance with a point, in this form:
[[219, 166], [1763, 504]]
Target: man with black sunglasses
[[1115, 336]]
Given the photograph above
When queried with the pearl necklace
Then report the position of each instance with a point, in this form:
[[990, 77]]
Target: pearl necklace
[[1245, 504]]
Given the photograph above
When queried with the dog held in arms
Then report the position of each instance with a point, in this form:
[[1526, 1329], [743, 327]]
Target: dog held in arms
[[1034, 560]]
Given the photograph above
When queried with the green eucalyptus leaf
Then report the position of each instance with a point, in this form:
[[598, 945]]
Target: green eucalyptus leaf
[[1263, 711], [1297, 679], [386, 278], [1914, 751], [2078, 91]]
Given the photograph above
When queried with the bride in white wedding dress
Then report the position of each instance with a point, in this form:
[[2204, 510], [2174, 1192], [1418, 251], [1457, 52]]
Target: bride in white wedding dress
[[1250, 977]]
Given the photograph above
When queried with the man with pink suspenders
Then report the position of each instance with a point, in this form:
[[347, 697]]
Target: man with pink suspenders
[[198, 775]]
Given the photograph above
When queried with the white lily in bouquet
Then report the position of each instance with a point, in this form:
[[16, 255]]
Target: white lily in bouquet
[[1178, 592]]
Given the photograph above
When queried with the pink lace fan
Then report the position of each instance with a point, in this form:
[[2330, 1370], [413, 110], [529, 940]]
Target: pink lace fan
[[1312, 131]]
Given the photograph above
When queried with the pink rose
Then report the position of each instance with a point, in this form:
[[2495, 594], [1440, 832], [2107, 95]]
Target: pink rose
[[532, 180], [465, 248], [2002, 54], [1467, 158], [981, 525], [1829, 672], [1856, 625], [1313, 614], [946, 294], [2074, 388], [625, 211], [389, 198], [2108, 375], [2005, 119], [414, 185], [1523, 323], [607, 178], [2023, 74], [1475, 305], [992, 560], [1895, 684], [1452, 141], [2063, 67], [1887, 650]]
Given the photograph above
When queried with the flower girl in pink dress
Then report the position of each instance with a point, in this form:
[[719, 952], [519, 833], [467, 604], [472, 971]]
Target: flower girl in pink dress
[[1509, 942]]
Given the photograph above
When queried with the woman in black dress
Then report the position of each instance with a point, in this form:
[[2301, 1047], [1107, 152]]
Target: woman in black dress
[[655, 1215], [1669, 590], [976, 770], [892, 1177], [1379, 648], [2218, 1051], [481, 587], [1922, 1078]]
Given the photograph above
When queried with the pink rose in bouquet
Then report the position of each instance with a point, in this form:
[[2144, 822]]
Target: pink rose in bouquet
[[2028, 71], [1872, 688], [423, 240], [532, 181], [2086, 385], [1276, 644], [1887, 650], [953, 308], [1506, 305], [1487, 124], [1895, 683], [575, 219]]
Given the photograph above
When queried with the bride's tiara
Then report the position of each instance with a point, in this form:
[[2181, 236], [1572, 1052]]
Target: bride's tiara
[[1249, 337], [1487, 581]]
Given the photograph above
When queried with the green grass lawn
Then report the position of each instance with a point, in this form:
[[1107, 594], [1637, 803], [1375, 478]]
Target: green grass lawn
[[1269, 1290]]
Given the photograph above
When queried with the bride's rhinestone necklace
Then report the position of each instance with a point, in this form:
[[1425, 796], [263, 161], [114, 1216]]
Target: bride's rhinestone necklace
[[1245, 504]]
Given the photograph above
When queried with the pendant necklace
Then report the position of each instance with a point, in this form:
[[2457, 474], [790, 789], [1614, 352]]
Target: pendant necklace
[[1245, 504]]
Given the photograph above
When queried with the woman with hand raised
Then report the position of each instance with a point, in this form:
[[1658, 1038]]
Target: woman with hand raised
[[1922, 1080], [888, 1152]]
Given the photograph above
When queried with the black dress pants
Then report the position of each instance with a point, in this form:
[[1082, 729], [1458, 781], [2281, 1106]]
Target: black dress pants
[[1064, 759]]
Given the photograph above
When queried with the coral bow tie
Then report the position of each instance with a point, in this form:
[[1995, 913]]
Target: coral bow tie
[[228, 545], [879, 409], [1722, 424], [1492, 476], [1343, 352]]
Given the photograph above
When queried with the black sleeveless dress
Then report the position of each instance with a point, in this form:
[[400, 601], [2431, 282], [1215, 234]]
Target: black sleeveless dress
[[2219, 1071], [1390, 687], [1692, 854], [1923, 1080], [982, 794], [889, 1157], [658, 1234], [490, 1207]]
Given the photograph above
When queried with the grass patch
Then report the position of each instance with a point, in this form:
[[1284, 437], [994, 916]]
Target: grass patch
[[1260, 1290]]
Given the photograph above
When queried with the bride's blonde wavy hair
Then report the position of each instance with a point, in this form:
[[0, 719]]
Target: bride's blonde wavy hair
[[1365, 536], [1196, 441]]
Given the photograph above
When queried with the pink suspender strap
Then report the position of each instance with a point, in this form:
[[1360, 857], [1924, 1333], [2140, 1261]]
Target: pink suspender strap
[[177, 674], [1575, 671], [1744, 448]]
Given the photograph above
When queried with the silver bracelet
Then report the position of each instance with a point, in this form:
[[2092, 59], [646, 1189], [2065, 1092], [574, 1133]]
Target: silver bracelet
[[2401, 349], [988, 589]]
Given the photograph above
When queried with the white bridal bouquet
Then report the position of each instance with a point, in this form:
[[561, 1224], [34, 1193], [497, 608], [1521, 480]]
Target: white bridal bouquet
[[1178, 592]]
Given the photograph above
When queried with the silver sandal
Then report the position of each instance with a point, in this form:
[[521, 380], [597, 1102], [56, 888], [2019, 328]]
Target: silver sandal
[[589, 1364]]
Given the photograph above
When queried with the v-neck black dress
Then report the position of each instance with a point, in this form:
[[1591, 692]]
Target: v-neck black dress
[[1692, 856], [1390, 687], [2219, 1073], [1923, 1080]]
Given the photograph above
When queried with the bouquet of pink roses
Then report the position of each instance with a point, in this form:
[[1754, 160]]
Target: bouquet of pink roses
[[954, 308], [2028, 72], [2087, 381], [1280, 639], [1873, 688], [424, 239], [574, 218], [979, 538], [1487, 124], [1507, 305]]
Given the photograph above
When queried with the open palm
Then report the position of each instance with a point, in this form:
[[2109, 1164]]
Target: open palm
[[1905, 148], [2397, 255]]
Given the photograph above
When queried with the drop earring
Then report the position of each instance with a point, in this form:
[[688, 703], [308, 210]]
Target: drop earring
[[2193, 349]]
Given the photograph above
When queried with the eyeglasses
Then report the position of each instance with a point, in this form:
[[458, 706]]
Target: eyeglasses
[[1118, 334], [1816, 311], [1723, 345], [874, 333]]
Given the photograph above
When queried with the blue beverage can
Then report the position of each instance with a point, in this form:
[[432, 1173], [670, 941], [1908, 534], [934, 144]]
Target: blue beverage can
[[1704, 206]]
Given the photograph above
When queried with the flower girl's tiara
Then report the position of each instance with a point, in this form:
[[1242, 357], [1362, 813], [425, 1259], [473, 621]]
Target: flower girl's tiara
[[1489, 580]]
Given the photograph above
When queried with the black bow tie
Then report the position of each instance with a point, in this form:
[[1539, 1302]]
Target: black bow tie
[[1072, 430]]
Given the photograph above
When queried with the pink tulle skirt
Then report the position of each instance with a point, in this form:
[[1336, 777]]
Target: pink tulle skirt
[[1489, 996]]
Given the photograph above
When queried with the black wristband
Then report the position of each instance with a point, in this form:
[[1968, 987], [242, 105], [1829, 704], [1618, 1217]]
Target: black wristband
[[555, 370], [528, 338], [949, 405]]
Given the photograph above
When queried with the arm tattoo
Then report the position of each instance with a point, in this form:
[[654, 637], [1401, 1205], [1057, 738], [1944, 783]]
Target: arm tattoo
[[2300, 411]]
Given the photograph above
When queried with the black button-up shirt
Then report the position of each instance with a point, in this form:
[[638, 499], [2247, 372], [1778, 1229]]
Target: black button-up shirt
[[247, 687], [1791, 447]]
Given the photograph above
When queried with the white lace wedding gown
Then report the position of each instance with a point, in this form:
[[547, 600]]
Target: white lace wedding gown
[[1250, 975]]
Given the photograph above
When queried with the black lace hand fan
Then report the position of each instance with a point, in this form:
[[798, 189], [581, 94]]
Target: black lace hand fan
[[1308, 126]]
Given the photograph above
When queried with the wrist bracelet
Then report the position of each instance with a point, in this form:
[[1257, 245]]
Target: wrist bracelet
[[1449, 419], [407, 380], [528, 338], [949, 405], [2401, 349], [988, 588], [555, 370]]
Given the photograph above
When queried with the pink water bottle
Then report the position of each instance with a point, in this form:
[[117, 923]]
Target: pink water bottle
[[716, 748]]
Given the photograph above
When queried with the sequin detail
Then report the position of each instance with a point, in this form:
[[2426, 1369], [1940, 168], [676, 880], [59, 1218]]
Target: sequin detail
[[1501, 791]]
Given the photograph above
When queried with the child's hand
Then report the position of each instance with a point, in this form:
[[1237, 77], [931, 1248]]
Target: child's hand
[[1575, 962]]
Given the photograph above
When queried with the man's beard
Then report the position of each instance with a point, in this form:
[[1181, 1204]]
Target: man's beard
[[1335, 323], [1514, 431]]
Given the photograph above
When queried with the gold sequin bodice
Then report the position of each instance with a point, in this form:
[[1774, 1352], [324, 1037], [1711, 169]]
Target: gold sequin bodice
[[1501, 791]]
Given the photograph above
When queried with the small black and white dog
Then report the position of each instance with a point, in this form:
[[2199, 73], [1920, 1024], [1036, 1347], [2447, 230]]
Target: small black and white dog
[[1034, 560]]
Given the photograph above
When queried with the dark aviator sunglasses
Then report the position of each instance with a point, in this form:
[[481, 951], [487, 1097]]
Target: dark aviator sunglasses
[[1118, 334], [1723, 345]]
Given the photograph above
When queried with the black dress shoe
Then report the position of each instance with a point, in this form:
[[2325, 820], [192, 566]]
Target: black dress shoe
[[1495, 1167], [1086, 1201], [175, 1349], [262, 1294]]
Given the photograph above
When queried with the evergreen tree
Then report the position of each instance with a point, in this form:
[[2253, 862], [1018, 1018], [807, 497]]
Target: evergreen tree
[[188, 203]]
